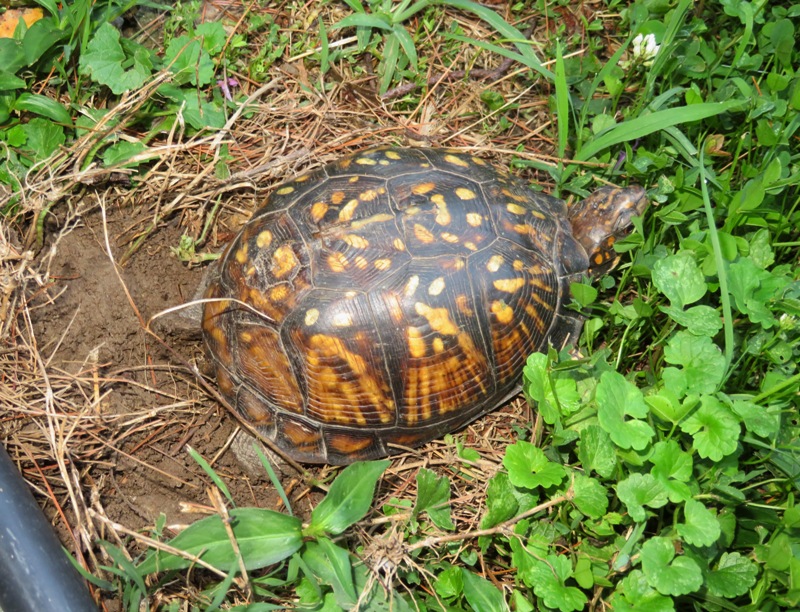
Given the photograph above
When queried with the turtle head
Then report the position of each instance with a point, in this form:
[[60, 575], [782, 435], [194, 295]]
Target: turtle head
[[602, 219]]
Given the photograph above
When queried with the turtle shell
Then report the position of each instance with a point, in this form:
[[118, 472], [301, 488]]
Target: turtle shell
[[387, 299]]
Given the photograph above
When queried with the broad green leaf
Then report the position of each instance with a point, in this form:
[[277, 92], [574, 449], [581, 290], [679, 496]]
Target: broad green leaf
[[449, 583], [547, 577], [714, 429], [501, 504], [617, 399], [640, 490], [122, 151], [733, 576], [754, 289], [213, 35], [700, 320], [349, 498], [189, 62], [44, 106], [590, 496], [10, 81], [554, 392], [482, 595], [596, 451], [680, 279], [104, 61], [666, 573], [673, 468], [433, 497], [760, 420], [332, 566], [263, 536], [700, 526], [42, 137], [633, 594], [528, 466], [703, 364]]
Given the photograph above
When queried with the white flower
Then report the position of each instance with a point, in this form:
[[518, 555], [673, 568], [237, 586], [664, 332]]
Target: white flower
[[645, 49]]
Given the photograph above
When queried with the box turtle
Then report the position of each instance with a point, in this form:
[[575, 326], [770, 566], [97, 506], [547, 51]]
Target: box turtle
[[394, 296]]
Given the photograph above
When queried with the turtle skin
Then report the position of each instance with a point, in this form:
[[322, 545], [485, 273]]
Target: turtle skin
[[394, 295]]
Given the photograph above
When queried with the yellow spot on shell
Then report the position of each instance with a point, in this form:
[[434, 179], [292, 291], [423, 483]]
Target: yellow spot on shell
[[383, 264], [311, 316], [438, 319], [361, 262], [365, 161], [464, 193], [393, 155], [368, 195], [471, 246], [337, 262], [416, 345], [518, 265], [278, 293], [245, 336], [241, 254], [523, 228], [353, 179], [356, 241], [285, 190], [318, 210], [436, 287], [283, 261], [515, 209], [495, 261], [264, 239], [411, 286], [509, 285], [380, 218], [474, 219], [346, 214], [503, 312], [422, 234], [448, 237], [423, 188], [478, 161], [442, 214], [399, 245], [438, 345], [454, 159], [342, 319], [513, 196], [337, 197]]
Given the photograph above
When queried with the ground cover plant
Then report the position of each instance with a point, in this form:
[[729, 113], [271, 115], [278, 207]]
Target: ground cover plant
[[655, 468]]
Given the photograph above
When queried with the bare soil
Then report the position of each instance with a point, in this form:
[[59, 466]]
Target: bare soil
[[93, 331]]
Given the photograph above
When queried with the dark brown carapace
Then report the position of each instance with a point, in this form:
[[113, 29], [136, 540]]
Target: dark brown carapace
[[393, 296]]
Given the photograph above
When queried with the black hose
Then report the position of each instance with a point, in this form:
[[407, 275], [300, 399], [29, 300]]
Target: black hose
[[35, 574]]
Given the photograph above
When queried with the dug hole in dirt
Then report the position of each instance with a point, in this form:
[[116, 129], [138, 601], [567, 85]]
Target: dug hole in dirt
[[94, 332]]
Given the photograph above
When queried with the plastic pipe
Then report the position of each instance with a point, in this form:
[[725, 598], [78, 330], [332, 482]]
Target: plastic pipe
[[35, 574]]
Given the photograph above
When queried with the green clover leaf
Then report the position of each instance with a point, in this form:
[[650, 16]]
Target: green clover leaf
[[666, 573], [528, 467], [617, 398]]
